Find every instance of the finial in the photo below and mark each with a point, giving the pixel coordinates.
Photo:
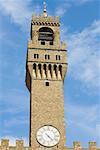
(45, 9)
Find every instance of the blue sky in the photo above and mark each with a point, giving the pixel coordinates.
(80, 29)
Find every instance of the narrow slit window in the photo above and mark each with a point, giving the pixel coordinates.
(58, 57)
(51, 42)
(47, 57)
(36, 56)
(47, 83)
(42, 42)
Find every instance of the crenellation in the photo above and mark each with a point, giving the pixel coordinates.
(38, 20)
(5, 144)
(20, 146)
(92, 145)
(77, 146)
(63, 45)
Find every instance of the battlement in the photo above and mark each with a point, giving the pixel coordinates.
(41, 20)
(20, 146)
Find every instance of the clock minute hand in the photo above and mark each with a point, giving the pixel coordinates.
(49, 136)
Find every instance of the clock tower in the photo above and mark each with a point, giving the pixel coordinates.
(45, 72)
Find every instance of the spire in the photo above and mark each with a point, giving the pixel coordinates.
(45, 9)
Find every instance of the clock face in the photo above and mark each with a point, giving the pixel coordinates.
(48, 136)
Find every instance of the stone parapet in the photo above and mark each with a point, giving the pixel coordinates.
(77, 146)
(20, 146)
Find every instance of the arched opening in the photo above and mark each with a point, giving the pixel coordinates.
(46, 34)
(44, 67)
(39, 67)
(34, 70)
(60, 69)
(49, 68)
(55, 69)
(34, 67)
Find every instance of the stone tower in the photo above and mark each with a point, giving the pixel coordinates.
(45, 72)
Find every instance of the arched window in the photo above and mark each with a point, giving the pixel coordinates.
(46, 34)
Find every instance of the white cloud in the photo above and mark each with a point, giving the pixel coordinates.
(18, 10)
(21, 11)
(62, 9)
(84, 118)
(83, 59)
(64, 32)
(86, 114)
